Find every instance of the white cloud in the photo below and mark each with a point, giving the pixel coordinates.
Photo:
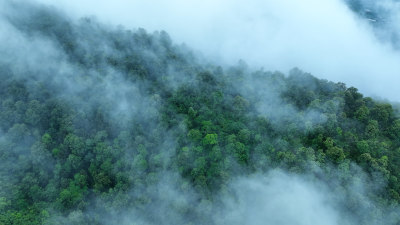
(280, 199)
(319, 36)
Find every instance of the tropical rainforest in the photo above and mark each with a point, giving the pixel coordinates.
(108, 125)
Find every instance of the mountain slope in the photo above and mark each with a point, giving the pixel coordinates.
(103, 125)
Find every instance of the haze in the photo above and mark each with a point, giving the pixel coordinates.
(114, 126)
(323, 37)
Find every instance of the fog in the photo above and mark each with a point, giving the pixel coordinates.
(276, 197)
(322, 37)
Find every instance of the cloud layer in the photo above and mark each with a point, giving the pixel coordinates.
(322, 37)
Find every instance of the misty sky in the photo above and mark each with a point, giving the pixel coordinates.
(319, 36)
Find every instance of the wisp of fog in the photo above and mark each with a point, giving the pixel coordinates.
(322, 37)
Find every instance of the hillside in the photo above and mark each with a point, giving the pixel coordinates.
(105, 125)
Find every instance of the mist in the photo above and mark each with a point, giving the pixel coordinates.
(322, 37)
(119, 126)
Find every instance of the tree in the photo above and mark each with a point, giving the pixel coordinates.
(210, 139)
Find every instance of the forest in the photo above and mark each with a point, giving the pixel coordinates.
(108, 125)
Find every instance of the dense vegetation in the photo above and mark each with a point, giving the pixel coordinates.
(127, 109)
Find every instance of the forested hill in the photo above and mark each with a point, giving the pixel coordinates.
(104, 125)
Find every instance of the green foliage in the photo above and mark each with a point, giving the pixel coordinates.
(210, 139)
(206, 124)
